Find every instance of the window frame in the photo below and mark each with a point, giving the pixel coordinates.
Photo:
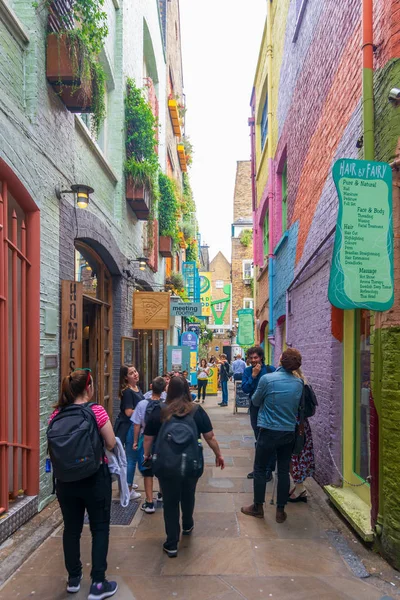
(284, 197)
(217, 286)
(250, 301)
(244, 264)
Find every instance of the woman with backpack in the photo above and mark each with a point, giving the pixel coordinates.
(77, 433)
(178, 457)
(130, 395)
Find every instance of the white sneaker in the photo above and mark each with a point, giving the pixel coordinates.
(135, 495)
(135, 486)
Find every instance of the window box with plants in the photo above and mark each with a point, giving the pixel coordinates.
(76, 34)
(167, 209)
(141, 165)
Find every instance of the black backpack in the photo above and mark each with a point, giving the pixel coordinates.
(310, 401)
(74, 442)
(178, 453)
(151, 405)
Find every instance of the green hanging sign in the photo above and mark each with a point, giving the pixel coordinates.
(245, 336)
(362, 263)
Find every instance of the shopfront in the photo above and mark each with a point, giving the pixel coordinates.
(87, 322)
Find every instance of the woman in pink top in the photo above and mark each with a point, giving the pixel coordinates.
(92, 494)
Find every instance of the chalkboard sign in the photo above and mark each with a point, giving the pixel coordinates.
(242, 400)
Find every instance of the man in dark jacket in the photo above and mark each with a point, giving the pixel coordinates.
(251, 377)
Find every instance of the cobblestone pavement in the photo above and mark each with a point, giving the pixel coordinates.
(228, 557)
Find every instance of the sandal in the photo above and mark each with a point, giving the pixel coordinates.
(301, 498)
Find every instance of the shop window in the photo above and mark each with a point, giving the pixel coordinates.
(284, 197)
(264, 123)
(96, 321)
(363, 389)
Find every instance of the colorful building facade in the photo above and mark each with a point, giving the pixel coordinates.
(308, 110)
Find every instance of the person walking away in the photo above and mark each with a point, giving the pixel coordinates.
(224, 376)
(130, 396)
(79, 428)
(178, 459)
(238, 367)
(251, 378)
(202, 379)
(302, 465)
(278, 395)
(140, 417)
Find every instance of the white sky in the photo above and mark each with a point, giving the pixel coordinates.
(221, 41)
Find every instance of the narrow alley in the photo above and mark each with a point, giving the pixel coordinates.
(229, 556)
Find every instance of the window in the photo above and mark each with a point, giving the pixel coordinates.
(266, 236)
(219, 307)
(264, 124)
(248, 303)
(284, 197)
(247, 269)
(219, 284)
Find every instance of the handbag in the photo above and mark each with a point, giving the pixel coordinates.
(300, 437)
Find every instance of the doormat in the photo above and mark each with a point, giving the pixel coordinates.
(119, 514)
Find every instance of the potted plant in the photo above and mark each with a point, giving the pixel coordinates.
(141, 165)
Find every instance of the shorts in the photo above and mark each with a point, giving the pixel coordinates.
(147, 473)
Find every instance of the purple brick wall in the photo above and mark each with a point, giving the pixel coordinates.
(309, 330)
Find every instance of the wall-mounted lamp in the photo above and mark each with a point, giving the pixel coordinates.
(394, 95)
(82, 194)
(142, 260)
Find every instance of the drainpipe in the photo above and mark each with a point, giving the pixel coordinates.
(369, 154)
(271, 177)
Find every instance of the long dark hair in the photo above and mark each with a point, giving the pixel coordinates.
(73, 386)
(179, 399)
(123, 379)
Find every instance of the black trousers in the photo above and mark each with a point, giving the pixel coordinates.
(94, 495)
(253, 421)
(202, 385)
(177, 495)
(271, 443)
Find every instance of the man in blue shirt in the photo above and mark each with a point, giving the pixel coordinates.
(238, 367)
(251, 378)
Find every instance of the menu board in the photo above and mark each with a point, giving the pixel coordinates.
(362, 264)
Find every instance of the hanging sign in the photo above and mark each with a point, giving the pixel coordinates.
(71, 326)
(205, 294)
(151, 310)
(245, 336)
(185, 309)
(362, 264)
(190, 339)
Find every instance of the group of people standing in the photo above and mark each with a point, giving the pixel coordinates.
(161, 432)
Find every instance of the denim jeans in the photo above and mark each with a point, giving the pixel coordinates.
(269, 443)
(224, 387)
(131, 456)
(253, 421)
(177, 494)
(94, 495)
